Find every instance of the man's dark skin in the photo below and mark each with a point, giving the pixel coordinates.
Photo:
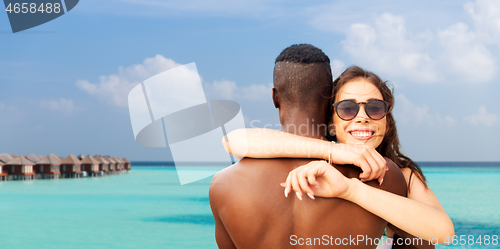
(249, 205)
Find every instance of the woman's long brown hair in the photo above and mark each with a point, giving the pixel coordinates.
(390, 144)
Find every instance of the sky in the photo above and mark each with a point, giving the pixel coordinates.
(64, 84)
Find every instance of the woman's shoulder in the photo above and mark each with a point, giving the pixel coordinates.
(407, 173)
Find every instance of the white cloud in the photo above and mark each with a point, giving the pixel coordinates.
(407, 112)
(465, 54)
(116, 87)
(486, 17)
(482, 118)
(223, 89)
(456, 53)
(60, 105)
(388, 48)
(226, 89)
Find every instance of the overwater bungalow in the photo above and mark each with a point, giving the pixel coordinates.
(103, 164)
(20, 168)
(119, 164)
(4, 158)
(48, 167)
(112, 164)
(31, 166)
(71, 166)
(90, 165)
(127, 164)
(3, 175)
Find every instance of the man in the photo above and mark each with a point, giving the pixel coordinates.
(247, 201)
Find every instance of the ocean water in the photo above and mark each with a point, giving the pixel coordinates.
(148, 208)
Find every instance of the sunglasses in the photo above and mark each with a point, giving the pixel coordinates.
(376, 109)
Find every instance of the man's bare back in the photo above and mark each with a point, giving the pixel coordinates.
(251, 211)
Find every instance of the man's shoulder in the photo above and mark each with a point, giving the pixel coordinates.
(250, 171)
(227, 178)
(394, 180)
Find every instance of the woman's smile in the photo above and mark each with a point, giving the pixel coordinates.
(362, 134)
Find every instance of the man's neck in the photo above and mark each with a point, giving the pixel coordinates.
(304, 124)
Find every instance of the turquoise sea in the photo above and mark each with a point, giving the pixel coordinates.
(148, 208)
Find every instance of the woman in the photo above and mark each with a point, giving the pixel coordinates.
(363, 123)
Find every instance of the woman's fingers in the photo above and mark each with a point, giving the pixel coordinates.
(382, 164)
(311, 178)
(295, 184)
(370, 161)
(365, 167)
(303, 182)
(375, 168)
(299, 180)
(379, 163)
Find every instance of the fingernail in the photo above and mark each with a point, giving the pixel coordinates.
(286, 192)
(310, 195)
(381, 181)
(282, 184)
(386, 168)
(298, 195)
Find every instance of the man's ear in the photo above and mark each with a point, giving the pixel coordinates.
(276, 98)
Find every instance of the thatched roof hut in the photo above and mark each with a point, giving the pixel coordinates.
(127, 164)
(71, 164)
(2, 173)
(112, 163)
(103, 163)
(20, 166)
(119, 163)
(90, 164)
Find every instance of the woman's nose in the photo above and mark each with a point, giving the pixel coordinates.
(361, 117)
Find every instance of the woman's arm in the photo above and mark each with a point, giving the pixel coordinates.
(269, 143)
(420, 214)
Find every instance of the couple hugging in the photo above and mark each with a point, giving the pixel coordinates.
(338, 150)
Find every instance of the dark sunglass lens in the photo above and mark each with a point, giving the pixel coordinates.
(376, 109)
(347, 109)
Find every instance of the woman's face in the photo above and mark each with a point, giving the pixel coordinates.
(361, 129)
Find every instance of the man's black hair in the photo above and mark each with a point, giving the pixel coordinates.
(303, 53)
(303, 77)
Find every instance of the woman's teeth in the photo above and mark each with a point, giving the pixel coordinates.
(361, 134)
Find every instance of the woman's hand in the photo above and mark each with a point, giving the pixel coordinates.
(326, 181)
(362, 155)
